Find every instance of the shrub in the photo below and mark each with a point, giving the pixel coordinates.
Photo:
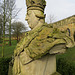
(64, 67)
(4, 65)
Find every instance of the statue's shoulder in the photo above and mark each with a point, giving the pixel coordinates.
(39, 28)
(21, 41)
(20, 44)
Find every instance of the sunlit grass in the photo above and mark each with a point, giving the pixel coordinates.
(8, 50)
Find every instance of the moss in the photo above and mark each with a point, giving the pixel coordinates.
(40, 40)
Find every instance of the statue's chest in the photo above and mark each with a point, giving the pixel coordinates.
(41, 42)
(41, 36)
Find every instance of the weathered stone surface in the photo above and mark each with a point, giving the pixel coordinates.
(39, 42)
(36, 5)
(32, 57)
(35, 53)
(43, 66)
(10, 72)
(58, 49)
(67, 23)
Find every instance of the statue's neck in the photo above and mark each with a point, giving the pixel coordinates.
(39, 24)
(36, 28)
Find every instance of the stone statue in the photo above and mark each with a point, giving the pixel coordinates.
(35, 53)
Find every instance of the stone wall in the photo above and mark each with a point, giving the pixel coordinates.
(67, 23)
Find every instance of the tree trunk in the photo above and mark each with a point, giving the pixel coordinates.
(3, 44)
(1, 29)
(17, 37)
(10, 31)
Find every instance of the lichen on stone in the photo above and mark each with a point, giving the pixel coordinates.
(40, 40)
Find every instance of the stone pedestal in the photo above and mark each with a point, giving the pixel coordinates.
(44, 66)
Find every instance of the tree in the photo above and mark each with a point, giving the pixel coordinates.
(17, 29)
(12, 13)
(51, 19)
(6, 9)
(5, 16)
(0, 28)
(11, 5)
(4, 22)
(4, 12)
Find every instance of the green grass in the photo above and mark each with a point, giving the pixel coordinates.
(8, 50)
(69, 55)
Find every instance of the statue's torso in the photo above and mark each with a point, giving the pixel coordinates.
(36, 44)
(39, 41)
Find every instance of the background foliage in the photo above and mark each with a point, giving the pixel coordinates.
(4, 65)
(66, 62)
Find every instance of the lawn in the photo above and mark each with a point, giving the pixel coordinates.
(8, 50)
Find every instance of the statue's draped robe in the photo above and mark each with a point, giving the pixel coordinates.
(37, 43)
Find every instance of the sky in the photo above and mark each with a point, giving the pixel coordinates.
(60, 9)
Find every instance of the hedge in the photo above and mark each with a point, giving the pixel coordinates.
(64, 67)
(4, 66)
